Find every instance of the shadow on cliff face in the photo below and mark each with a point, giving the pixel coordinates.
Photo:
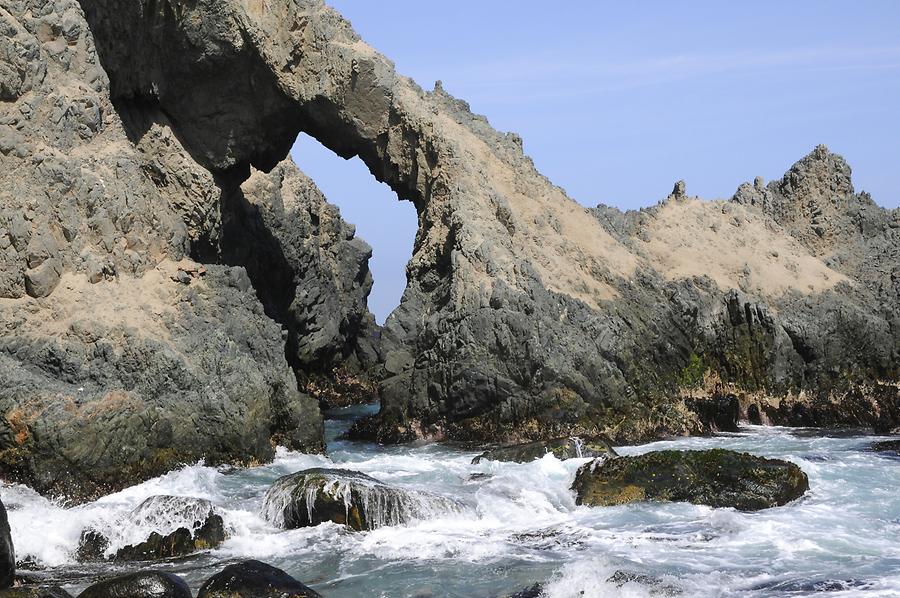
(305, 265)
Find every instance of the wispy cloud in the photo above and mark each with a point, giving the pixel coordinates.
(561, 74)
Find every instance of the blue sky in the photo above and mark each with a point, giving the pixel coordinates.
(617, 101)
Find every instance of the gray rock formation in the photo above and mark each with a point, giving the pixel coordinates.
(121, 357)
(526, 315)
(312, 275)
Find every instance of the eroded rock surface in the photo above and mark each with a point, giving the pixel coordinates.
(715, 477)
(137, 329)
(527, 316)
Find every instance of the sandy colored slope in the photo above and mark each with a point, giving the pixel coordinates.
(736, 246)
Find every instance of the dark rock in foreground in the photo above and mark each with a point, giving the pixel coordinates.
(253, 579)
(7, 552)
(345, 497)
(35, 592)
(562, 448)
(143, 584)
(716, 477)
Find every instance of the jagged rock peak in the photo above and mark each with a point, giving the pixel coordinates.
(820, 172)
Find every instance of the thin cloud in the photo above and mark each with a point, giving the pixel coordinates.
(560, 76)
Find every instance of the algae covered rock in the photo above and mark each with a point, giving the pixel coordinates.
(350, 498)
(253, 579)
(562, 448)
(715, 477)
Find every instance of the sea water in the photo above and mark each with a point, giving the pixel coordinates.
(513, 525)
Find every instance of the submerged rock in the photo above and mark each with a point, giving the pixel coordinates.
(715, 477)
(92, 546)
(7, 552)
(535, 591)
(182, 525)
(253, 579)
(563, 448)
(654, 585)
(143, 584)
(350, 498)
(887, 446)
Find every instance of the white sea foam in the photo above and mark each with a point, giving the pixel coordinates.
(521, 525)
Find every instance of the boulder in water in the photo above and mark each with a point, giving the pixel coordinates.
(143, 584)
(182, 525)
(715, 477)
(253, 579)
(350, 498)
(562, 448)
(7, 552)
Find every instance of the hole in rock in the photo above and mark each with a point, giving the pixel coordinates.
(385, 223)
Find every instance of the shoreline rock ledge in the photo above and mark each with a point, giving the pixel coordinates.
(716, 477)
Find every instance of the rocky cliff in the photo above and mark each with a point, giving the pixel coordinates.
(526, 315)
(121, 354)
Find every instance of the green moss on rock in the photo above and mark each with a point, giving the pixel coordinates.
(716, 477)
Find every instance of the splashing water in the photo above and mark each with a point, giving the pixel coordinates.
(380, 504)
(506, 526)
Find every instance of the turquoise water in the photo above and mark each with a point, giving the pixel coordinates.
(519, 525)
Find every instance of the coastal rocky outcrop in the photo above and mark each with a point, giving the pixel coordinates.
(527, 316)
(350, 498)
(714, 477)
(174, 289)
(253, 579)
(137, 329)
(562, 448)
